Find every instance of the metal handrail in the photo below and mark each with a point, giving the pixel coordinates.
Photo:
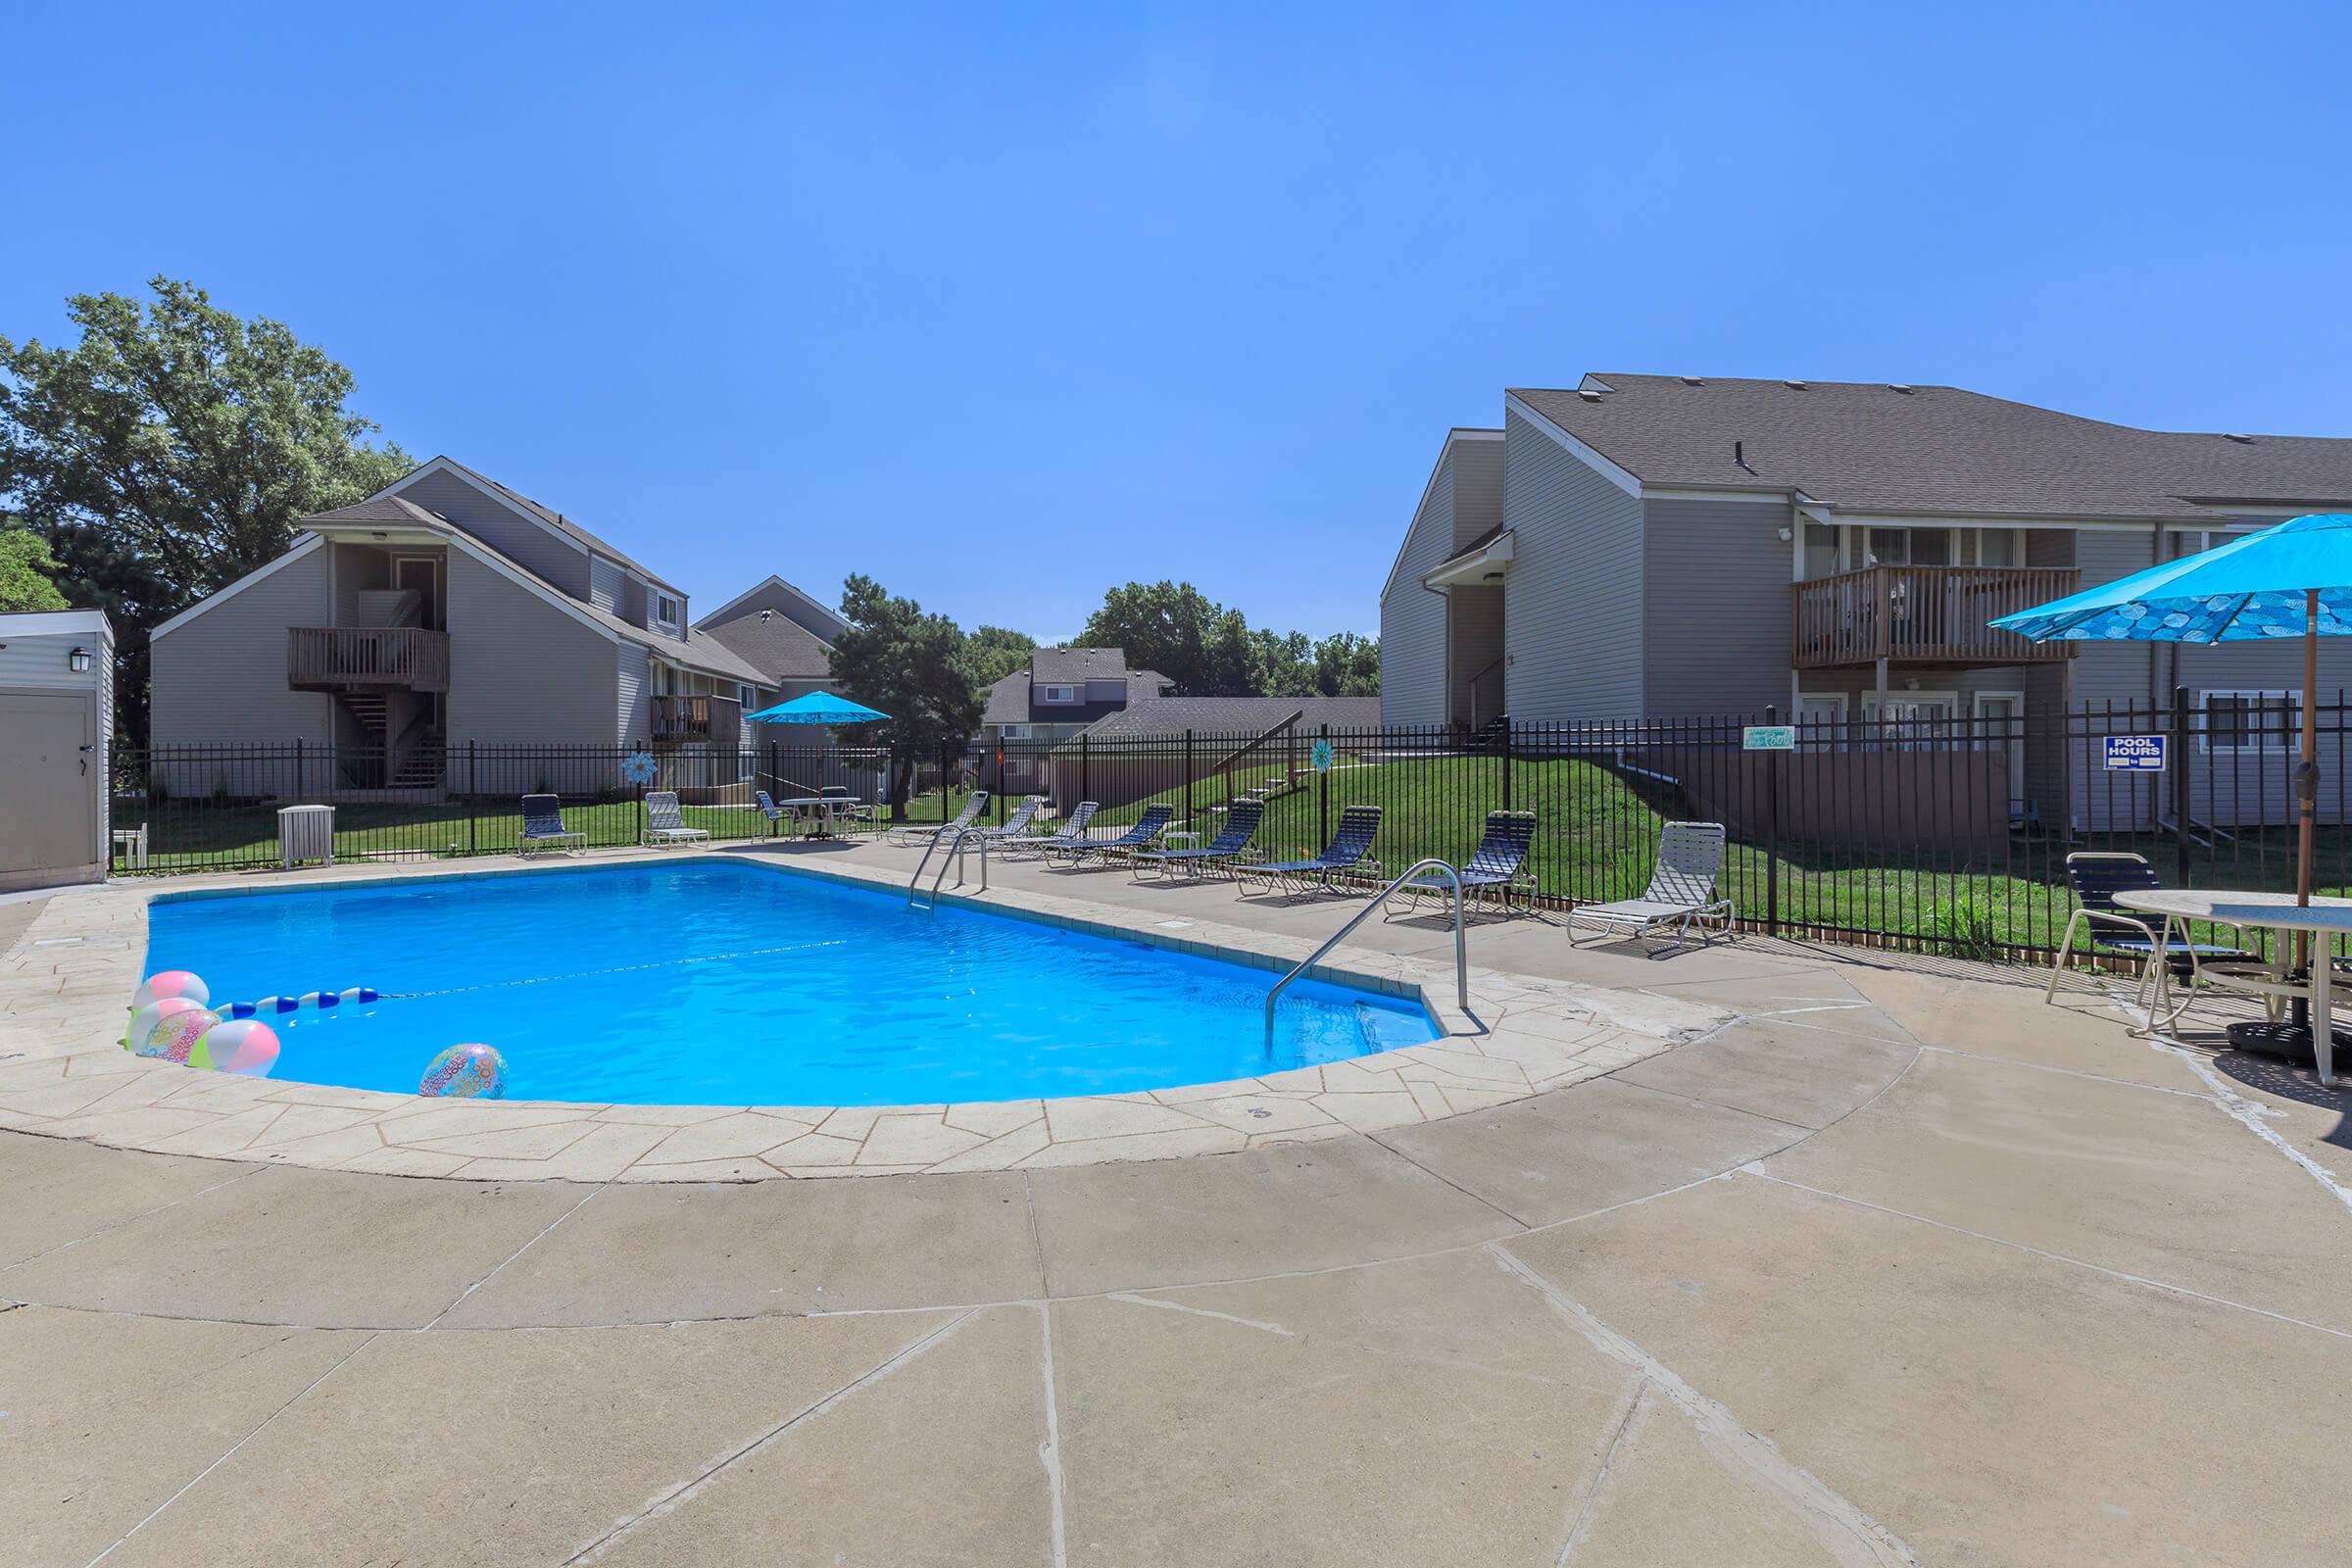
(1461, 959)
(957, 843)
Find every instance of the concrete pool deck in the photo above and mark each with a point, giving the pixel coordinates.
(1896, 1265)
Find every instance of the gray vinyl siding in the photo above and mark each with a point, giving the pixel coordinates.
(45, 663)
(220, 678)
(1715, 583)
(1412, 618)
(1573, 622)
(636, 710)
(606, 584)
(504, 529)
(1477, 489)
(522, 671)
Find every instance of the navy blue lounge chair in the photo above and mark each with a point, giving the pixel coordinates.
(543, 826)
(1241, 826)
(1497, 870)
(2097, 876)
(1148, 826)
(1349, 851)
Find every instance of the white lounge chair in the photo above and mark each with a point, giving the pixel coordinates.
(663, 824)
(1680, 891)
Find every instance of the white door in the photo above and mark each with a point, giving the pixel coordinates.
(2001, 724)
(1916, 712)
(48, 776)
(1822, 719)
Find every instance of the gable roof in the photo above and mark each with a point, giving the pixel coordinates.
(1010, 699)
(1878, 448)
(545, 515)
(780, 647)
(1062, 666)
(1234, 715)
(829, 624)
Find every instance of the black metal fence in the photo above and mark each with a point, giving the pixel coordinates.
(1939, 831)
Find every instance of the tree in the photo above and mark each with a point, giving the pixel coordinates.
(997, 651)
(1348, 665)
(26, 571)
(916, 667)
(1286, 663)
(1204, 647)
(170, 451)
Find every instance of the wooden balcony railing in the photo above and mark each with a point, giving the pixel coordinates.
(403, 657)
(1924, 616)
(677, 719)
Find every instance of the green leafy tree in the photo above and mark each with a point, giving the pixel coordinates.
(1286, 663)
(25, 572)
(914, 667)
(997, 651)
(1348, 665)
(170, 451)
(1204, 648)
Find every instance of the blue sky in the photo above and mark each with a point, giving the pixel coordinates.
(1004, 305)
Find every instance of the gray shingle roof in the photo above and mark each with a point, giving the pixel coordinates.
(1056, 666)
(1868, 447)
(781, 647)
(565, 526)
(1234, 716)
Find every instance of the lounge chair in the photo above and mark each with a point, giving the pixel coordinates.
(543, 826)
(1072, 831)
(1148, 826)
(663, 824)
(2098, 875)
(973, 805)
(1018, 824)
(1495, 869)
(1680, 891)
(1241, 826)
(1349, 851)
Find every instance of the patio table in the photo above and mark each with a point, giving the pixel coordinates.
(2323, 917)
(827, 809)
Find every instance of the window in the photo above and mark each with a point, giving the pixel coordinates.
(1016, 732)
(670, 609)
(1910, 547)
(2251, 721)
(1999, 547)
(743, 694)
(1057, 694)
(1821, 549)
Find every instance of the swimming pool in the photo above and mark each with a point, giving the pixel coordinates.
(710, 983)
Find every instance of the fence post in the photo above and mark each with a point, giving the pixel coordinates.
(2180, 783)
(1323, 807)
(473, 797)
(1085, 783)
(1506, 762)
(1772, 832)
(1188, 778)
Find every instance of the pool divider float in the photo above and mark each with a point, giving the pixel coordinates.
(319, 1000)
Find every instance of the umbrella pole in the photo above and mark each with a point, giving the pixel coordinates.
(2307, 777)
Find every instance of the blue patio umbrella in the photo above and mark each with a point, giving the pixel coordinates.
(2292, 580)
(818, 707)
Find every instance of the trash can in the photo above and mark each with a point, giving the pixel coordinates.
(305, 833)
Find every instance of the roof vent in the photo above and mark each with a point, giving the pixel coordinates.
(1590, 397)
(766, 616)
(1904, 387)
(1691, 380)
(1796, 387)
(2240, 437)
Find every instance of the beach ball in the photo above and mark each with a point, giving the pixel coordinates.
(141, 1040)
(466, 1072)
(176, 1037)
(244, 1046)
(169, 983)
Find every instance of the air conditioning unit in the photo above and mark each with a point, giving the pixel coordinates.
(305, 833)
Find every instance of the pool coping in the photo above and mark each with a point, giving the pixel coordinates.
(62, 1072)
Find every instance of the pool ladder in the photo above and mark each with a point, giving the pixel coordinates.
(956, 843)
(1461, 951)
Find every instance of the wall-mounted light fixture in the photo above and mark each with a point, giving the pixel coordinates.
(79, 660)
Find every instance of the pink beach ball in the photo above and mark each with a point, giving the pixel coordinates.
(245, 1046)
(176, 1038)
(171, 983)
(141, 1041)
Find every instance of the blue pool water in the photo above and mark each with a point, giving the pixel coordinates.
(715, 984)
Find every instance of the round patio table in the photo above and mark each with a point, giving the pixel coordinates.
(824, 810)
(2323, 917)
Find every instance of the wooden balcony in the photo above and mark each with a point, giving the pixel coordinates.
(677, 720)
(1924, 616)
(394, 658)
